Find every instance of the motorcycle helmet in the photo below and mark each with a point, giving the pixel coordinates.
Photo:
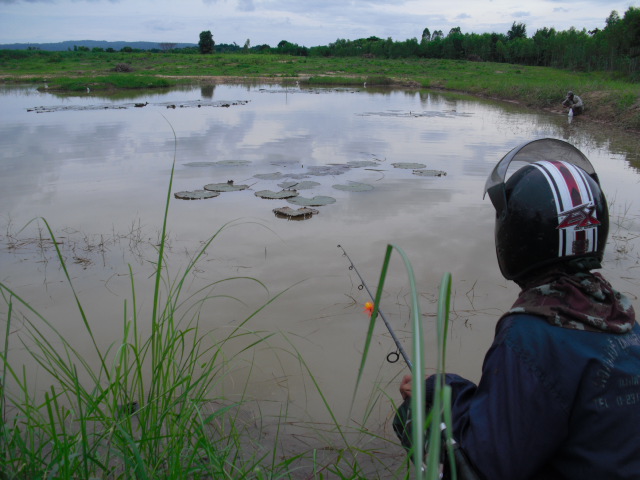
(551, 211)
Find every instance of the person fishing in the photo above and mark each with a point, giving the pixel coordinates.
(574, 103)
(559, 394)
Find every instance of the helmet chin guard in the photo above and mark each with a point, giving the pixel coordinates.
(550, 211)
(530, 152)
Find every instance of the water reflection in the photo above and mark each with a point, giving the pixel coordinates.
(100, 177)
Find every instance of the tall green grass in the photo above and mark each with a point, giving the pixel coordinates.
(425, 426)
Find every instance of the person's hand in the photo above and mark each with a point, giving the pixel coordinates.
(405, 387)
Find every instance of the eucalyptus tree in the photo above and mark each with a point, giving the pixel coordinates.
(517, 30)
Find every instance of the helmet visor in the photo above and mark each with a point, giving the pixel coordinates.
(531, 152)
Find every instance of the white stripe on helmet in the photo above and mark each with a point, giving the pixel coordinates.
(570, 238)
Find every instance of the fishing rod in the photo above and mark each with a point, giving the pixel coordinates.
(393, 356)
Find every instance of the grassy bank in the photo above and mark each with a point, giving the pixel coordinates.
(607, 99)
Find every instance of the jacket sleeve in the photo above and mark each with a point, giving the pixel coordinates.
(510, 425)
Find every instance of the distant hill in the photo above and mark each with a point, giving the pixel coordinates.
(69, 44)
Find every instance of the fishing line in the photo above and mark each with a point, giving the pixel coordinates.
(392, 357)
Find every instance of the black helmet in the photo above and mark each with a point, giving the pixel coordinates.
(550, 211)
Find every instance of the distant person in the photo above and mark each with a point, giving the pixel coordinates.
(559, 396)
(574, 102)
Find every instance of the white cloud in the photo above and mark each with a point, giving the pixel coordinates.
(305, 22)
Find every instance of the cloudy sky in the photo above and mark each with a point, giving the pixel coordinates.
(305, 22)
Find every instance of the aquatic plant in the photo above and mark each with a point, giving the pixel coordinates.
(354, 187)
(362, 163)
(430, 173)
(271, 195)
(199, 164)
(232, 163)
(299, 214)
(269, 176)
(316, 201)
(195, 194)
(408, 165)
(225, 187)
(306, 185)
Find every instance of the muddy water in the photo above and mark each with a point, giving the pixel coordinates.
(98, 170)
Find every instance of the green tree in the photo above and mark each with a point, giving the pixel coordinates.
(426, 35)
(631, 44)
(518, 30)
(288, 48)
(453, 44)
(206, 43)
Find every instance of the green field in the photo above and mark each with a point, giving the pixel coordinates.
(607, 99)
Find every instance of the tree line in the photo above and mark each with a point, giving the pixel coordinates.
(614, 48)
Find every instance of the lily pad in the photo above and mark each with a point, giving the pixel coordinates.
(409, 165)
(296, 176)
(225, 187)
(195, 195)
(299, 185)
(362, 163)
(199, 164)
(354, 187)
(271, 195)
(299, 214)
(269, 176)
(233, 163)
(285, 163)
(429, 173)
(318, 201)
(321, 170)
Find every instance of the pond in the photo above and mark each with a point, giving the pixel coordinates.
(98, 170)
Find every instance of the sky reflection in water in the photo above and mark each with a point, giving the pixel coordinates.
(99, 173)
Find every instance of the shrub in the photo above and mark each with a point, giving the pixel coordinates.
(123, 67)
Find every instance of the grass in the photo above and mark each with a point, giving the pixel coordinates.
(110, 82)
(607, 98)
(428, 434)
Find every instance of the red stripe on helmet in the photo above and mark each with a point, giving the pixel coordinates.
(572, 184)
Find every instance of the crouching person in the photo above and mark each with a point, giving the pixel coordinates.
(574, 103)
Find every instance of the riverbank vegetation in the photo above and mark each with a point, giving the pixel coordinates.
(608, 99)
(602, 66)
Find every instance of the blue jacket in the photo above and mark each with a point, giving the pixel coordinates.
(552, 403)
